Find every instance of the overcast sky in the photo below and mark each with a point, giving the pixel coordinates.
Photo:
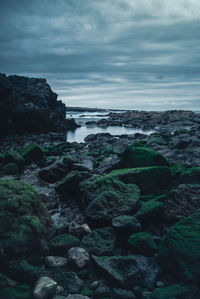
(129, 54)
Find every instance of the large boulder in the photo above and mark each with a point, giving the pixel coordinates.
(141, 157)
(107, 197)
(129, 271)
(150, 179)
(24, 221)
(29, 105)
(181, 247)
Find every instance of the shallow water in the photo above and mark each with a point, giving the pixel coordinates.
(79, 134)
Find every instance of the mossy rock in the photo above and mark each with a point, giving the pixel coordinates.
(20, 292)
(24, 221)
(33, 152)
(61, 243)
(68, 280)
(143, 243)
(176, 291)
(11, 168)
(151, 180)
(151, 211)
(191, 176)
(22, 271)
(107, 197)
(13, 157)
(180, 248)
(100, 241)
(134, 157)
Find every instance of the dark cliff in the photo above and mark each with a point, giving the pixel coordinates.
(28, 105)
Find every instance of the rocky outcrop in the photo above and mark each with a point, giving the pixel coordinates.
(28, 105)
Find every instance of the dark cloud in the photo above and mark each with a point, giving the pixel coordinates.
(109, 53)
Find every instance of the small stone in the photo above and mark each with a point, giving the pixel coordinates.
(55, 261)
(45, 287)
(146, 295)
(94, 284)
(79, 256)
(79, 230)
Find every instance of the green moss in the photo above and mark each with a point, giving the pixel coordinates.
(20, 292)
(142, 157)
(107, 197)
(150, 211)
(63, 242)
(23, 220)
(191, 176)
(151, 180)
(176, 291)
(181, 247)
(143, 243)
(139, 143)
(10, 168)
(177, 169)
(86, 292)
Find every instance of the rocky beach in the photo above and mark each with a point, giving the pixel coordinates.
(113, 217)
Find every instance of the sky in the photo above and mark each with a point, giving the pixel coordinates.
(124, 54)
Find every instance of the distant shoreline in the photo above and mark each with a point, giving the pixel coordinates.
(87, 109)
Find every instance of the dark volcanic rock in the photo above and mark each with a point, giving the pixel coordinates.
(29, 105)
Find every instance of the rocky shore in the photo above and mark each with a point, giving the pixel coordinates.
(116, 217)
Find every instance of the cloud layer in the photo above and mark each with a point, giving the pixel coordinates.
(136, 54)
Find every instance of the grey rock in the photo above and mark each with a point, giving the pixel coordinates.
(130, 270)
(79, 256)
(45, 287)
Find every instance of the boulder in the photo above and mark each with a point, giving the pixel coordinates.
(24, 222)
(100, 242)
(151, 180)
(29, 105)
(134, 157)
(129, 271)
(107, 197)
(180, 248)
(151, 211)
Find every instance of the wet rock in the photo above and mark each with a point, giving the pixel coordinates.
(55, 261)
(68, 280)
(79, 256)
(130, 270)
(44, 288)
(108, 198)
